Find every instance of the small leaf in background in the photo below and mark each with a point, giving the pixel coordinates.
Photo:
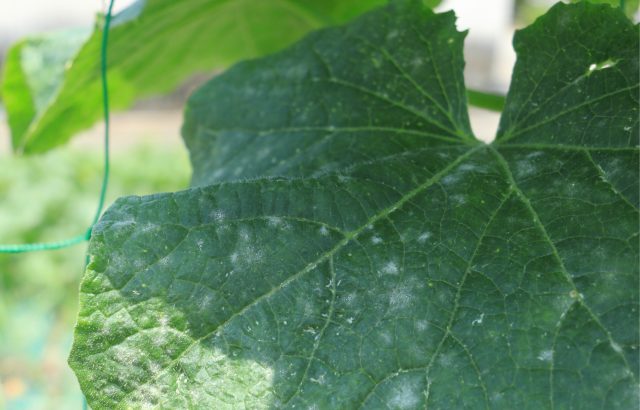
(348, 244)
(154, 46)
(33, 73)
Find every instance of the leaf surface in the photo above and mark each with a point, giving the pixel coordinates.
(348, 244)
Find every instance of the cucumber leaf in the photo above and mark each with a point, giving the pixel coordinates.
(347, 243)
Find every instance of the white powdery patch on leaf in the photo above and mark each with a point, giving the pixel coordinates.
(407, 396)
(247, 251)
(545, 355)
(424, 236)
(390, 268)
(117, 322)
(217, 380)
(400, 297)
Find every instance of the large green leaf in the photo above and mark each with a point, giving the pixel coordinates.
(348, 244)
(154, 46)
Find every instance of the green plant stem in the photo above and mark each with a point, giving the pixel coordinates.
(105, 105)
(489, 101)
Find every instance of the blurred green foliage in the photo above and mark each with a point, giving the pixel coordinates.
(526, 11)
(52, 197)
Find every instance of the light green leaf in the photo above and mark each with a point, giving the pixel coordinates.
(33, 72)
(154, 46)
(347, 244)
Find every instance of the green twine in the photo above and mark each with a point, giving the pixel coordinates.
(48, 246)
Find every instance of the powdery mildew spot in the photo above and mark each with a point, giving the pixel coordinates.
(390, 268)
(217, 215)
(406, 397)
(546, 355)
(227, 380)
(424, 236)
(400, 297)
(478, 320)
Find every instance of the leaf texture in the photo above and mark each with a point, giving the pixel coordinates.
(347, 243)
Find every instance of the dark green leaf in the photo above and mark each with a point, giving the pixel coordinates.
(348, 244)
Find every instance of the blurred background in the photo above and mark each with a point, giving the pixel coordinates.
(53, 196)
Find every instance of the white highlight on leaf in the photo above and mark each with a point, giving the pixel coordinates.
(386, 338)
(574, 294)
(127, 356)
(218, 215)
(546, 355)
(470, 168)
(117, 322)
(148, 227)
(616, 347)
(205, 303)
(524, 168)
(376, 240)
(400, 297)
(422, 325)
(323, 231)
(458, 199)
(406, 397)
(319, 380)
(390, 268)
(424, 236)
(226, 380)
(124, 224)
(349, 299)
(602, 65)
(478, 320)
(445, 359)
(245, 252)
(263, 153)
(450, 179)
